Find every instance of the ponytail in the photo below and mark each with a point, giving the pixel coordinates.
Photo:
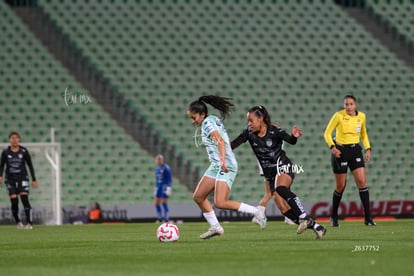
(222, 104)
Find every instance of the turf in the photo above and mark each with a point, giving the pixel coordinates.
(244, 249)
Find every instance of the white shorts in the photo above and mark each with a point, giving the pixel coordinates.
(218, 174)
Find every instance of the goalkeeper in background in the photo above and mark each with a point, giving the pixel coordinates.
(15, 157)
(163, 179)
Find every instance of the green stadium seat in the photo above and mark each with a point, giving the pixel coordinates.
(288, 69)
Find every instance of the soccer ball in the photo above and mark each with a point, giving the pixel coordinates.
(168, 232)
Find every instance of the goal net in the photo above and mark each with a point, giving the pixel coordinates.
(46, 199)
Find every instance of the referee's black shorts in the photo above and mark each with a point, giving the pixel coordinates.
(351, 157)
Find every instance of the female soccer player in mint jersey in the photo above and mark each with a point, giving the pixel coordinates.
(222, 171)
(350, 127)
(266, 141)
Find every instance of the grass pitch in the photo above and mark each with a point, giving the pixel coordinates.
(244, 249)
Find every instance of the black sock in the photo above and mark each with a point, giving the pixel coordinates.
(27, 208)
(336, 199)
(15, 208)
(292, 215)
(291, 199)
(364, 195)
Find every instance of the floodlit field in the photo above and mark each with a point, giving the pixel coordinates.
(244, 249)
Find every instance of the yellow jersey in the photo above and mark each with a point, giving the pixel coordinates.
(348, 129)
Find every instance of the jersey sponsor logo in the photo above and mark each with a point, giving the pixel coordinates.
(209, 129)
(269, 143)
(20, 155)
(358, 129)
(219, 123)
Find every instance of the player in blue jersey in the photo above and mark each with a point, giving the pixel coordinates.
(163, 179)
(266, 141)
(15, 158)
(222, 171)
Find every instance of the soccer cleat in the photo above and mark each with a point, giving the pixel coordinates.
(260, 218)
(20, 225)
(304, 224)
(29, 226)
(369, 222)
(334, 222)
(289, 221)
(320, 231)
(212, 231)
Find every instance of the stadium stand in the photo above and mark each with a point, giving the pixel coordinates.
(398, 14)
(298, 58)
(100, 162)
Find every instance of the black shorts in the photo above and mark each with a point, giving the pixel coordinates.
(285, 166)
(16, 187)
(351, 157)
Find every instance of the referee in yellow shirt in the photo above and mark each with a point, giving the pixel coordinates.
(350, 128)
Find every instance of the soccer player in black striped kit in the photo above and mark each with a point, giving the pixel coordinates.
(266, 141)
(15, 158)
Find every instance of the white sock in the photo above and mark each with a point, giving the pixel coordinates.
(316, 225)
(211, 219)
(261, 208)
(246, 208)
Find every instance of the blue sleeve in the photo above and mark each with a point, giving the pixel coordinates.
(168, 176)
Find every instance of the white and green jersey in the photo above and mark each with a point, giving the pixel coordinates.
(210, 124)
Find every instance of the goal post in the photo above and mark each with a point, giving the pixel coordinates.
(46, 199)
